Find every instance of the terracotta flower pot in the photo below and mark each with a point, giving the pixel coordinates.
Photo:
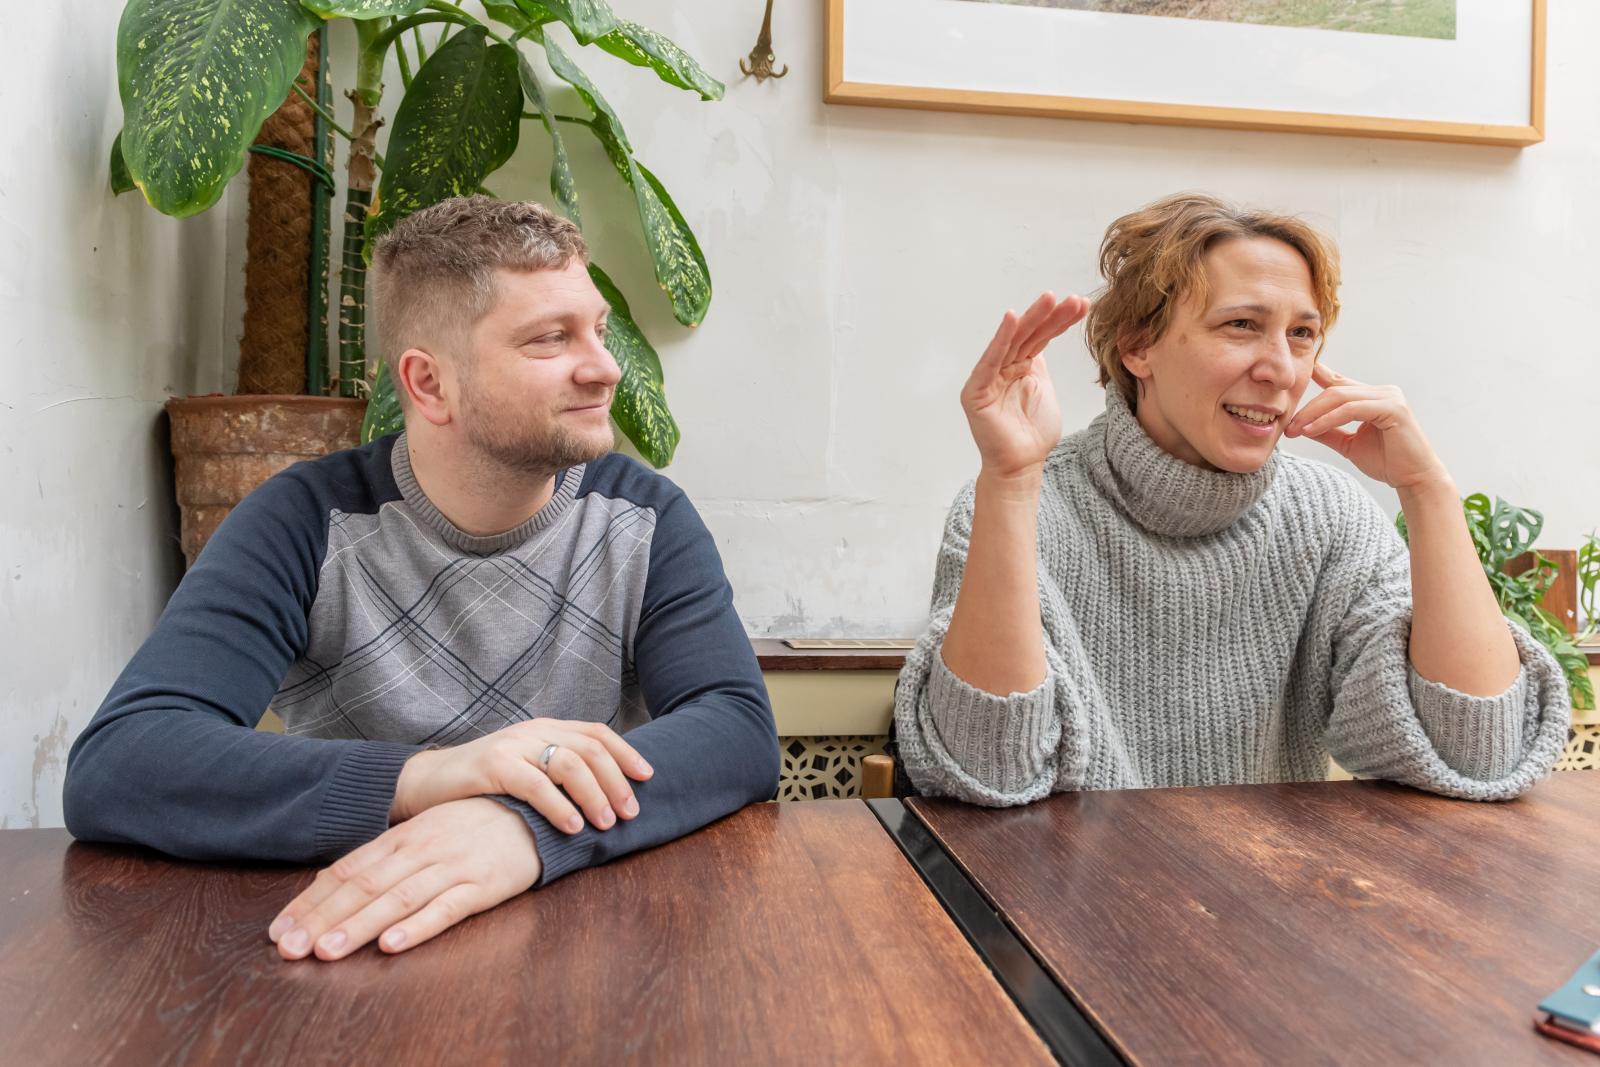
(225, 446)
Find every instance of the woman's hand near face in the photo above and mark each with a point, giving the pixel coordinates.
(1388, 445)
(1010, 402)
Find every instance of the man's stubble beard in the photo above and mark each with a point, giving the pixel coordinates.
(515, 442)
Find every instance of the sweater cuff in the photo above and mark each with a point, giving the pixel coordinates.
(1478, 737)
(355, 807)
(559, 853)
(1000, 740)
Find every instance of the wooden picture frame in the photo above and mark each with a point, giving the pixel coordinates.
(839, 89)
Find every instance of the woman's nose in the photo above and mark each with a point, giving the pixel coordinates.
(1275, 363)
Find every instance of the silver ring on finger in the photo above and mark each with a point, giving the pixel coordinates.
(546, 756)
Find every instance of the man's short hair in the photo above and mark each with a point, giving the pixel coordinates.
(1153, 259)
(432, 276)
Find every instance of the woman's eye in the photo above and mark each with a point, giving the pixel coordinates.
(1239, 324)
(1305, 333)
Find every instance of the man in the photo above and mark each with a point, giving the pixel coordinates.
(457, 626)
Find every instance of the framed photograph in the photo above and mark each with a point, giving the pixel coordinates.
(1432, 70)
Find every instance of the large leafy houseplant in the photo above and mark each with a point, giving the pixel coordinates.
(1502, 532)
(199, 77)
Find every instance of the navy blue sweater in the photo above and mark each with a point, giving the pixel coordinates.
(338, 595)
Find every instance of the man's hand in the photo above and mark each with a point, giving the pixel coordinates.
(590, 765)
(1387, 446)
(1010, 403)
(411, 882)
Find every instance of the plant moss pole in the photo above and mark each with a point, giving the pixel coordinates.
(361, 176)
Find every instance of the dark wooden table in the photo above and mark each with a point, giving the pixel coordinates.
(786, 933)
(1338, 922)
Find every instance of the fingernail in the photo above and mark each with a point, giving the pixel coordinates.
(279, 925)
(332, 942)
(574, 824)
(607, 817)
(630, 807)
(645, 769)
(394, 939)
(296, 942)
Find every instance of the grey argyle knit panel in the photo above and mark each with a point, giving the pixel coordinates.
(414, 641)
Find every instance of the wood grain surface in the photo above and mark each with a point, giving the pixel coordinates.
(1331, 922)
(791, 933)
(773, 655)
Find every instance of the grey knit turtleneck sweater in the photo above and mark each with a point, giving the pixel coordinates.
(1205, 628)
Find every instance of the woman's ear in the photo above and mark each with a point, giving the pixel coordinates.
(1133, 349)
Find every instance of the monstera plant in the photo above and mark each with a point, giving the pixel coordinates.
(199, 77)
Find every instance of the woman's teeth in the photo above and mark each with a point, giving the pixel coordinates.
(1259, 417)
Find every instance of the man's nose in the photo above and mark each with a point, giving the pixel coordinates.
(598, 367)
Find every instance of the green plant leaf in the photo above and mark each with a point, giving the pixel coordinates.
(383, 415)
(197, 80)
(640, 404)
(588, 20)
(456, 125)
(680, 266)
(363, 9)
(1513, 530)
(121, 180)
(519, 20)
(562, 184)
(644, 47)
(1589, 578)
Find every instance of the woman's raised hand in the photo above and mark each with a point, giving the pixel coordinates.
(1010, 403)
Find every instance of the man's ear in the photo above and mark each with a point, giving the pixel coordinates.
(421, 378)
(1133, 349)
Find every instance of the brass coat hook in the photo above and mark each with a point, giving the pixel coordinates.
(761, 57)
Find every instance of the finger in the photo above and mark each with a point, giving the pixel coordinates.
(603, 765)
(1338, 440)
(327, 881)
(439, 914)
(627, 757)
(1355, 411)
(529, 783)
(999, 345)
(1063, 318)
(1325, 402)
(401, 901)
(568, 770)
(1327, 377)
(354, 893)
(1031, 320)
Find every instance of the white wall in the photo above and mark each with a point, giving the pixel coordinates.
(106, 308)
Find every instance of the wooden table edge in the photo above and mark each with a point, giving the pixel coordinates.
(1067, 1028)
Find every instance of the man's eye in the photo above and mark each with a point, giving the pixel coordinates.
(549, 339)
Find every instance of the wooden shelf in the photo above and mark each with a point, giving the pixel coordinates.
(774, 655)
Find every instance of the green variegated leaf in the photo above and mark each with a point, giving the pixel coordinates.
(679, 264)
(363, 9)
(519, 20)
(568, 72)
(644, 47)
(456, 125)
(197, 79)
(561, 181)
(640, 404)
(383, 415)
(121, 180)
(588, 20)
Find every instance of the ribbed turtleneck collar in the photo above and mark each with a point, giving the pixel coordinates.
(1158, 491)
(487, 544)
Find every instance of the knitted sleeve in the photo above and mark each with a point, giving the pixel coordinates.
(985, 748)
(1390, 722)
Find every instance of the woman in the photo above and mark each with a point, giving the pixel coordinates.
(1163, 599)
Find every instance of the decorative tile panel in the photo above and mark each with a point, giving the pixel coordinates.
(1583, 749)
(819, 768)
